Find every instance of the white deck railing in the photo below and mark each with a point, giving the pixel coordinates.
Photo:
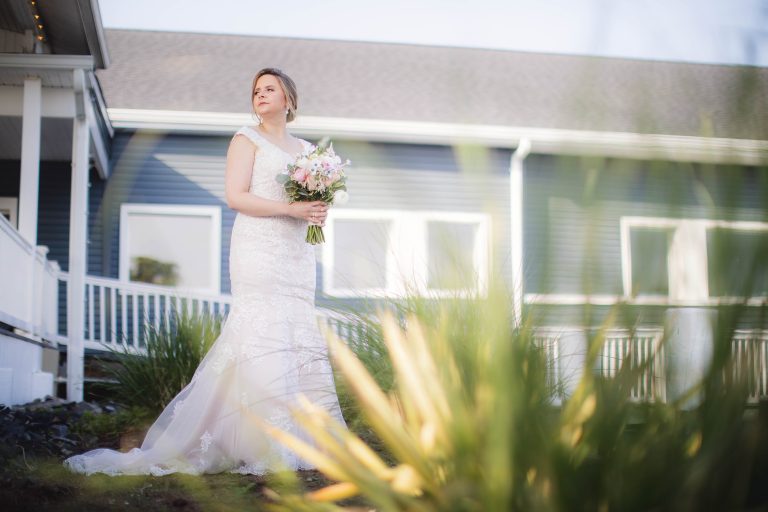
(749, 350)
(645, 349)
(117, 312)
(30, 285)
(641, 350)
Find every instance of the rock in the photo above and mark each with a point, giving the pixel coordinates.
(60, 430)
(88, 407)
(44, 427)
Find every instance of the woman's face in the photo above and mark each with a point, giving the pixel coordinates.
(268, 96)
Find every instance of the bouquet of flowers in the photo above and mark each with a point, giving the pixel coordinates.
(316, 175)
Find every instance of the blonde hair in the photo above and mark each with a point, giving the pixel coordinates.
(288, 86)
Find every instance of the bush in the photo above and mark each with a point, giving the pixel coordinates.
(472, 423)
(173, 353)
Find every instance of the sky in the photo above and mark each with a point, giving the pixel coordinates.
(711, 31)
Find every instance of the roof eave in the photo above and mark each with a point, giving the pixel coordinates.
(641, 146)
(94, 32)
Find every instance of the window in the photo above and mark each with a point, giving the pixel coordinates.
(361, 249)
(694, 260)
(737, 262)
(171, 245)
(451, 255)
(389, 253)
(650, 247)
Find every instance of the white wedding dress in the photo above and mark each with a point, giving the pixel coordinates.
(269, 351)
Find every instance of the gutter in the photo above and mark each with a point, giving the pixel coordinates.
(516, 225)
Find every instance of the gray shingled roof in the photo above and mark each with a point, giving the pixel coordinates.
(213, 73)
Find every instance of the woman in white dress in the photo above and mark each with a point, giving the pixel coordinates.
(270, 349)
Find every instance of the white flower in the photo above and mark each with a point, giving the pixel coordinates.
(340, 197)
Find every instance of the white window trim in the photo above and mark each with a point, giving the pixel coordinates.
(213, 212)
(409, 228)
(688, 244)
(12, 205)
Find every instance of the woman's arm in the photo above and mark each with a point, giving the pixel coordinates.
(237, 181)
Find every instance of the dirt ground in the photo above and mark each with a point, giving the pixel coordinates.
(34, 443)
(45, 484)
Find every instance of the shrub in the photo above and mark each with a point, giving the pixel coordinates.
(173, 353)
(472, 423)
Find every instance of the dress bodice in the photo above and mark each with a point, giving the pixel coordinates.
(270, 160)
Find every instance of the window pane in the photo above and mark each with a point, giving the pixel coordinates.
(360, 253)
(737, 262)
(649, 260)
(171, 249)
(450, 249)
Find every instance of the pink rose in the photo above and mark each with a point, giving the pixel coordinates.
(300, 176)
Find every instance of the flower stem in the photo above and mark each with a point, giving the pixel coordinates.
(315, 235)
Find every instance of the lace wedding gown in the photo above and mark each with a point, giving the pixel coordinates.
(269, 350)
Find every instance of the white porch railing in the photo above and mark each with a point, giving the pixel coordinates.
(749, 350)
(548, 343)
(645, 347)
(641, 349)
(116, 312)
(30, 285)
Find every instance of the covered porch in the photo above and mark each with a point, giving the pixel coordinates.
(53, 122)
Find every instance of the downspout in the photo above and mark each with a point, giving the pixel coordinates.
(516, 224)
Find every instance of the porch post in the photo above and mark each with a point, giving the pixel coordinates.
(30, 159)
(78, 224)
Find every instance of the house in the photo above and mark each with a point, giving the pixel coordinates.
(576, 180)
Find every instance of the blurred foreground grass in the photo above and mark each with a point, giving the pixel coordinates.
(470, 420)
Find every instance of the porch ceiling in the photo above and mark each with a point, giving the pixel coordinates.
(56, 78)
(71, 27)
(55, 141)
(15, 16)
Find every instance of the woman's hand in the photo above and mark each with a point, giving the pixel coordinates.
(313, 212)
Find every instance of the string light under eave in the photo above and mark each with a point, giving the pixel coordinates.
(39, 29)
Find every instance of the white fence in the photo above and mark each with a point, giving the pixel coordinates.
(750, 360)
(116, 312)
(643, 350)
(644, 353)
(30, 285)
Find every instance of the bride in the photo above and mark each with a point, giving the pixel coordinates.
(270, 349)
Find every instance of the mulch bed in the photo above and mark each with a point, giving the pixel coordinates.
(36, 437)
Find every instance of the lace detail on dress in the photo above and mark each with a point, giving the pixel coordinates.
(269, 351)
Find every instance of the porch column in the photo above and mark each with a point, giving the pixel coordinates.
(78, 224)
(30, 159)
